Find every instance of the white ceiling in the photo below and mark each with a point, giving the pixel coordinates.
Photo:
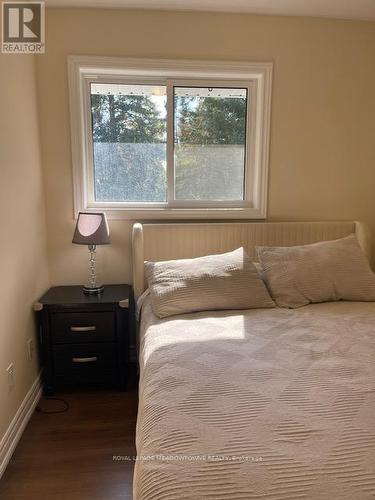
(342, 9)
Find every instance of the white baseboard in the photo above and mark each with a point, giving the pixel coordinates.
(14, 432)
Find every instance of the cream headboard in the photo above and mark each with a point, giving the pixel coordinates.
(186, 240)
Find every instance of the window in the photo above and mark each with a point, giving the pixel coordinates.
(173, 139)
(209, 143)
(129, 137)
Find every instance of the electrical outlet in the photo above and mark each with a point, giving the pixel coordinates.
(30, 349)
(10, 372)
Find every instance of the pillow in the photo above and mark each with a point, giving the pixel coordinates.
(225, 281)
(321, 272)
(258, 267)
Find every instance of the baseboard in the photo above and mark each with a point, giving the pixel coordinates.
(18, 424)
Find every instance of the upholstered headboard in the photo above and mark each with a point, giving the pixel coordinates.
(186, 240)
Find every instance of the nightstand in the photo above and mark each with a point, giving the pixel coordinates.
(85, 339)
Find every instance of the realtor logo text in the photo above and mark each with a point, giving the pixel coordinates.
(23, 28)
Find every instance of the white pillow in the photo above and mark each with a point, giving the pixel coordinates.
(320, 272)
(224, 281)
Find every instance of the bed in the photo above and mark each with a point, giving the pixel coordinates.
(271, 404)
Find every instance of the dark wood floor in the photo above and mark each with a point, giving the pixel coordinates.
(69, 456)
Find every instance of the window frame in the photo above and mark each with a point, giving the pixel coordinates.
(255, 77)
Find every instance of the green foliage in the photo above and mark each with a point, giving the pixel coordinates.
(127, 119)
(213, 121)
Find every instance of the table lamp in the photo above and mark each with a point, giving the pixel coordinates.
(91, 230)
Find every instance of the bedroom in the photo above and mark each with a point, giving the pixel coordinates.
(318, 165)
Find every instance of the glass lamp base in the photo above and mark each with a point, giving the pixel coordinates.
(93, 290)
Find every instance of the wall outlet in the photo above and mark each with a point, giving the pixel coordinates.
(30, 349)
(10, 373)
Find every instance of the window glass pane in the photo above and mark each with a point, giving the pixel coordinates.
(209, 143)
(129, 142)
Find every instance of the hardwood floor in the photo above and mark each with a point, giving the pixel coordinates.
(69, 456)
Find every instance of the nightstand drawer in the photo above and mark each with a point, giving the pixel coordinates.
(80, 327)
(84, 362)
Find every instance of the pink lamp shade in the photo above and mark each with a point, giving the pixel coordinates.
(91, 229)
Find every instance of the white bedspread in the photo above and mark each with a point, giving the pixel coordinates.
(261, 404)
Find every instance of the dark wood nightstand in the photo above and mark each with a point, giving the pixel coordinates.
(85, 340)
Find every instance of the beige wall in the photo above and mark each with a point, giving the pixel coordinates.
(322, 161)
(23, 257)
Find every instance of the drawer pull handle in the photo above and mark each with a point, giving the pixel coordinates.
(85, 360)
(82, 328)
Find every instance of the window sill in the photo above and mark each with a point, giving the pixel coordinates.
(141, 213)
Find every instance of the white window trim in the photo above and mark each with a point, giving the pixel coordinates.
(257, 77)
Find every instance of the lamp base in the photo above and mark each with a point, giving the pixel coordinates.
(89, 290)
